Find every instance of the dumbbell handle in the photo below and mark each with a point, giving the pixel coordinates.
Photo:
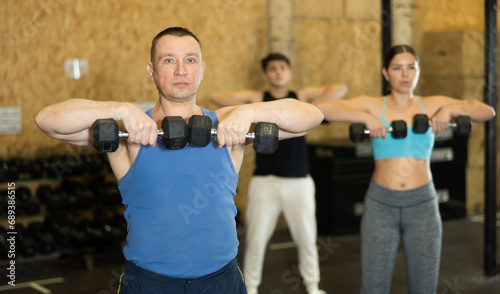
(451, 124)
(367, 132)
(124, 135)
(249, 136)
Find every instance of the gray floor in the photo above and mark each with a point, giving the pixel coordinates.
(461, 267)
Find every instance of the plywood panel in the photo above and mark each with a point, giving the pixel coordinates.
(351, 55)
(442, 54)
(362, 9)
(280, 26)
(115, 37)
(453, 54)
(451, 87)
(465, 16)
(331, 44)
(319, 9)
(337, 52)
(449, 15)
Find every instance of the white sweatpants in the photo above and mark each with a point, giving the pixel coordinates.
(268, 196)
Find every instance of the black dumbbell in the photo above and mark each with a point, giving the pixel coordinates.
(52, 199)
(107, 134)
(8, 172)
(27, 203)
(265, 139)
(462, 124)
(4, 244)
(25, 243)
(95, 235)
(45, 241)
(358, 131)
(64, 230)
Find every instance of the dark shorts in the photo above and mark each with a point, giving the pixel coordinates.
(227, 280)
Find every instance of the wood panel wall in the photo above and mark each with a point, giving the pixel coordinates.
(466, 81)
(333, 41)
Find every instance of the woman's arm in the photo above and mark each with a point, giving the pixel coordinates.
(356, 110)
(446, 108)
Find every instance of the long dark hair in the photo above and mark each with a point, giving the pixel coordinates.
(397, 49)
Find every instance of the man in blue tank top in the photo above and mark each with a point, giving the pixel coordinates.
(179, 203)
(281, 181)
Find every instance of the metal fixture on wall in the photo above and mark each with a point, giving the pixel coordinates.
(76, 69)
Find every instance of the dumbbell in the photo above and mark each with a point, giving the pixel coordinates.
(26, 203)
(265, 139)
(358, 131)
(107, 134)
(462, 124)
(45, 241)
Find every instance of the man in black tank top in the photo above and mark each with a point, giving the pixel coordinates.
(281, 181)
(290, 160)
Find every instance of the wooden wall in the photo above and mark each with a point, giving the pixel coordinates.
(115, 36)
(461, 23)
(333, 41)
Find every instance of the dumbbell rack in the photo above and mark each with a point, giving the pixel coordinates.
(83, 192)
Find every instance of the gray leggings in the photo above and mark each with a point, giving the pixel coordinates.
(410, 214)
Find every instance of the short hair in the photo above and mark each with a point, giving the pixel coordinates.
(274, 56)
(397, 49)
(172, 31)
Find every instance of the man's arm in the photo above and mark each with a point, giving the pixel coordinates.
(231, 98)
(294, 118)
(71, 120)
(355, 110)
(315, 95)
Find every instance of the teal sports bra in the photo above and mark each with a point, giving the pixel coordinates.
(415, 145)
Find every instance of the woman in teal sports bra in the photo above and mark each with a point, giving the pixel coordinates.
(401, 202)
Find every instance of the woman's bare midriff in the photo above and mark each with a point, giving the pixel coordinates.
(402, 173)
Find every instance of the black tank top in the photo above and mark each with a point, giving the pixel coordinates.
(290, 160)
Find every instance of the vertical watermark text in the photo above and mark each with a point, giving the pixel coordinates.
(11, 233)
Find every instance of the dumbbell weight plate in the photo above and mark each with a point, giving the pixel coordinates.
(463, 125)
(106, 137)
(175, 132)
(357, 132)
(266, 138)
(199, 130)
(398, 129)
(420, 123)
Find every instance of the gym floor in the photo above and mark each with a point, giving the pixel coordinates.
(461, 267)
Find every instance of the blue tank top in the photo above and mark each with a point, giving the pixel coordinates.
(180, 210)
(415, 145)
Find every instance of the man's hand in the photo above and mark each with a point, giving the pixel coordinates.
(140, 127)
(232, 129)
